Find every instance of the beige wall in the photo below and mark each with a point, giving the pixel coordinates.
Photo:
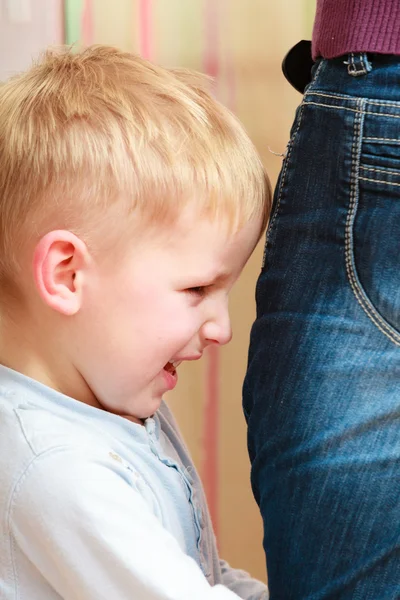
(255, 34)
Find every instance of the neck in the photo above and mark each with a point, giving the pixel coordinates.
(35, 353)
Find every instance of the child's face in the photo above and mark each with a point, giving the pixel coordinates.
(163, 303)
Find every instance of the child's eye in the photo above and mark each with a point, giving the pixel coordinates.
(198, 290)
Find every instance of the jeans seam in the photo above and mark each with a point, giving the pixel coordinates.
(383, 103)
(336, 96)
(315, 78)
(375, 170)
(352, 109)
(376, 114)
(282, 182)
(332, 106)
(359, 293)
(377, 139)
(346, 97)
(379, 181)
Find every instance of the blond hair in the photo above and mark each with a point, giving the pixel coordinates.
(80, 130)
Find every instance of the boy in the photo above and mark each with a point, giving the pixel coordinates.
(130, 203)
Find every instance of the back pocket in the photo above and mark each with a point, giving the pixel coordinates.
(376, 233)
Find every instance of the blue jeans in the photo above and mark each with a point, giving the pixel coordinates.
(322, 390)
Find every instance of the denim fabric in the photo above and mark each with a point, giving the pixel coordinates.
(322, 390)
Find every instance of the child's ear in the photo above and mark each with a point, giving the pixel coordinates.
(59, 264)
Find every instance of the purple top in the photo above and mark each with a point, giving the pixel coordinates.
(343, 26)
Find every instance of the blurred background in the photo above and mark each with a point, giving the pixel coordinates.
(241, 43)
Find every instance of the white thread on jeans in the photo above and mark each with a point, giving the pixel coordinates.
(379, 181)
(376, 139)
(359, 293)
(384, 103)
(331, 106)
(353, 110)
(286, 159)
(344, 97)
(282, 182)
(339, 96)
(374, 170)
(379, 114)
(315, 78)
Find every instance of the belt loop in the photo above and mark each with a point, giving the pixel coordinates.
(358, 64)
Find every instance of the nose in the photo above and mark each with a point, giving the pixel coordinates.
(218, 330)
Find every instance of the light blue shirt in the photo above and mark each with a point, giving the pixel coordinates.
(93, 506)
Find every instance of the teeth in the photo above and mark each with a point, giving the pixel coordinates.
(176, 364)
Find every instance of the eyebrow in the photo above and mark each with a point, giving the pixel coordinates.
(216, 277)
(221, 276)
(211, 278)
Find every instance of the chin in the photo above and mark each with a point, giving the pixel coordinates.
(151, 407)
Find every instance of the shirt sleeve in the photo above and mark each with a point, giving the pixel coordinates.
(92, 536)
(242, 583)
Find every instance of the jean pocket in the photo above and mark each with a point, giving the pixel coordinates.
(373, 255)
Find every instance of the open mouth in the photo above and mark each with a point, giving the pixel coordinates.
(170, 374)
(171, 367)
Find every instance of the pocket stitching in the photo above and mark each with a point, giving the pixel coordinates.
(386, 171)
(377, 139)
(355, 284)
(379, 181)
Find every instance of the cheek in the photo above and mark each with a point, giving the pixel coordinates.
(141, 316)
(175, 319)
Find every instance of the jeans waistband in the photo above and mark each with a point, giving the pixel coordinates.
(369, 75)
